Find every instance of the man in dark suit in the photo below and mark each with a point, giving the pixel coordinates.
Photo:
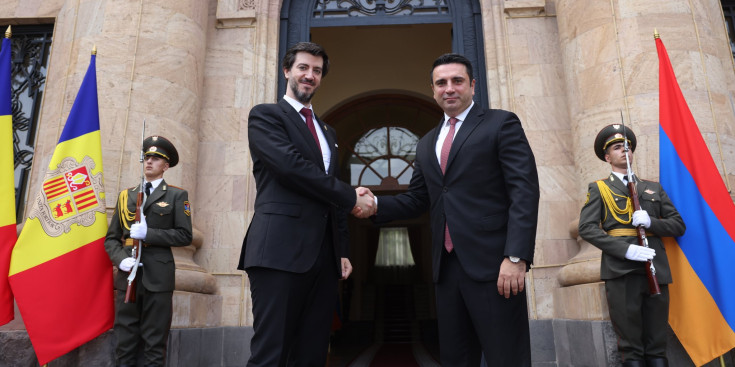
(477, 175)
(608, 221)
(165, 222)
(296, 247)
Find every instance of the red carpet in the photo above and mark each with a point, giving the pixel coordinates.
(394, 355)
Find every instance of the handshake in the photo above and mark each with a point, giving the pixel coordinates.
(365, 205)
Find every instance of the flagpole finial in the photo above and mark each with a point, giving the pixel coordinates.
(8, 32)
(94, 50)
(655, 34)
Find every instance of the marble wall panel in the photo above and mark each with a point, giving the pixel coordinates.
(30, 8)
(551, 148)
(236, 304)
(555, 251)
(579, 17)
(544, 282)
(220, 124)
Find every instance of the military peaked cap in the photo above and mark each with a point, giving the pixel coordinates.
(612, 134)
(162, 147)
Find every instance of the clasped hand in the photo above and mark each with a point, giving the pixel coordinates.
(641, 218)
(365, 205)
(127, 264)
(139, 230)
(640, 253)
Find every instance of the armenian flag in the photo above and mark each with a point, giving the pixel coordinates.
(702, 310)
(7, 183)
(60, 273)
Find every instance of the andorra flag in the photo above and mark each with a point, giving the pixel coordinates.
(7, 183)
(60, 273)
(702, 310)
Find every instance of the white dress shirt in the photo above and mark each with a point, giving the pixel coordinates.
(326, 152)
(445, 130)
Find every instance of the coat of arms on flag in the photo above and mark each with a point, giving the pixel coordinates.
(70, 195)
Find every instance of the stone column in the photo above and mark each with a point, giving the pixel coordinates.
(241, 72)
(611, 65)
(150, 64)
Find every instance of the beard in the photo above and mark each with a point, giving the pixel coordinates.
(302, 97)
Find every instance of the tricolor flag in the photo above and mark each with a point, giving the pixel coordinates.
(702, 311)
(7, 183)
(60, 273)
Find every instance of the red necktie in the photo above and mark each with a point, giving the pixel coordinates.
(446, 147)
(310, 124)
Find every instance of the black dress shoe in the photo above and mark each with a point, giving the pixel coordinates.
(657, 362)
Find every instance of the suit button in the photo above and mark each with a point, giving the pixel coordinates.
(445, 189)
(325, 215)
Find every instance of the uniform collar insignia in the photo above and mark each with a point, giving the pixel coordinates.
(162, 204)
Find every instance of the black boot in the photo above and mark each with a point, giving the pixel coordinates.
(657, 362)
(634, 363)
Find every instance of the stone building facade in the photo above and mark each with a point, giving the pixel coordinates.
(194, 69)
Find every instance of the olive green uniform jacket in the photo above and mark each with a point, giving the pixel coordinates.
(595, 220)
(168, 215)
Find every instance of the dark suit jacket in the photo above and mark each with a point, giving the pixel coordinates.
(168, 216)
(296, 200)
(595, 220)
(488, 195)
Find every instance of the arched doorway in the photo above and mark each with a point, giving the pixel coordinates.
(389, 299)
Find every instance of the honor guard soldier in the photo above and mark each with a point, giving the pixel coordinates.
(608, 221)
(165, 222)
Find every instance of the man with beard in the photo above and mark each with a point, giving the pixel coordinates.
(296, 247)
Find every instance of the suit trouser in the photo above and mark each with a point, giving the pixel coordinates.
(475, 319)
(640, 320)
(293, 313)
(146, 321)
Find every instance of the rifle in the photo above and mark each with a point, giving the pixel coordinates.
(653, 287)
(137, 248)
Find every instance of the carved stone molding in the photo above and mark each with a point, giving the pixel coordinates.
(524, 8)
(583, 268)
(235, 13)
(191, 277)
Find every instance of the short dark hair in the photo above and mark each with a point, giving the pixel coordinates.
(309, 47)
(452, 59)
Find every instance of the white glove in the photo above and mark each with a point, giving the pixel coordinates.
(639, 253)
(640, 217)
(126, 264)
(139, 230)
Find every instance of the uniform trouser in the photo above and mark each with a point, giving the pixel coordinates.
(292, 313)
(146, 322)
(640, 320)
(474, 319)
